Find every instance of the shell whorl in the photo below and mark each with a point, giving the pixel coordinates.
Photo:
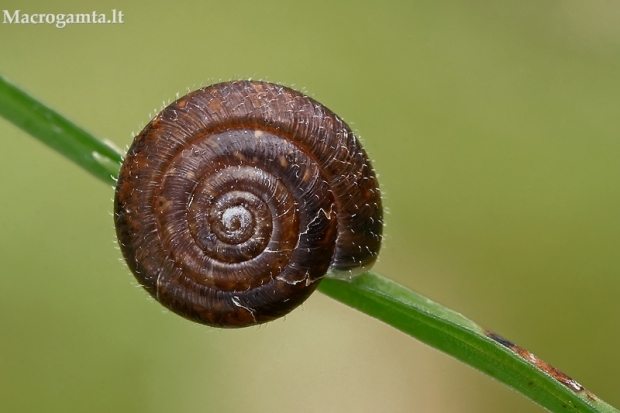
(236, 199)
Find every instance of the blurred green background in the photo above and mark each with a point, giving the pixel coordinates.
(494, 128)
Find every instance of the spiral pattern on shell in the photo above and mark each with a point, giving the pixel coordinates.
(235, 201)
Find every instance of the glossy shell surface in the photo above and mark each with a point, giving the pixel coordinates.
(235, 201)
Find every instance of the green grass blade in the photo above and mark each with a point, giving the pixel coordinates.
(370, 293)
(56, 131)
(463, 339)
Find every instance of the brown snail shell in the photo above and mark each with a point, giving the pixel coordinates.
(235, 201)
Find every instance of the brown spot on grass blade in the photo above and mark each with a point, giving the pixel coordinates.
(541, 365)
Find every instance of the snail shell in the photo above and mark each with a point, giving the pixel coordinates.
(235, 201)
